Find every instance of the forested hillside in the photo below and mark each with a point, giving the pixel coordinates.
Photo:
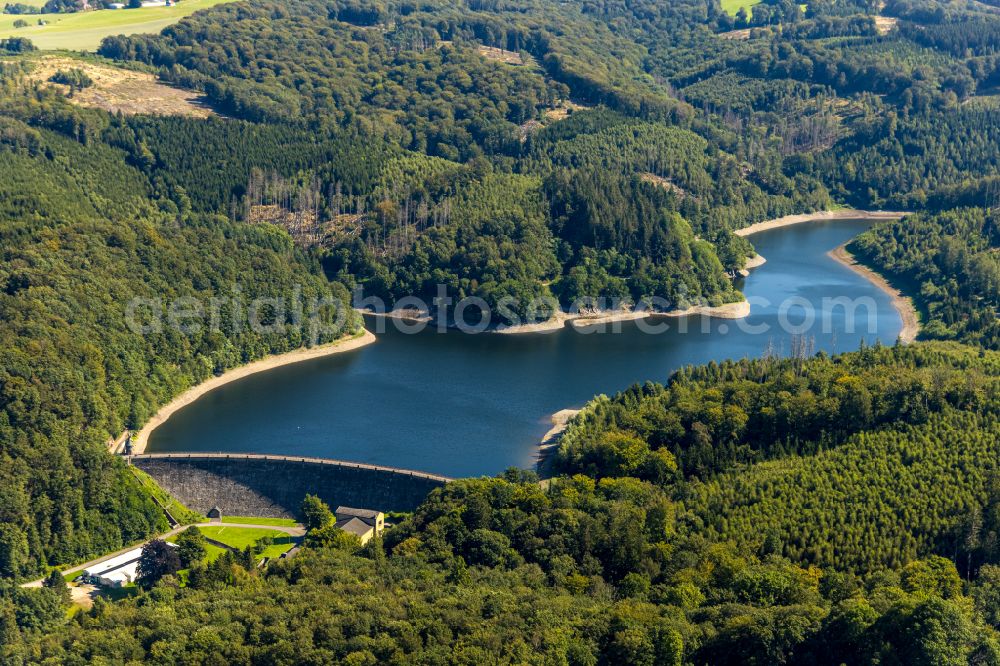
(812, 107)
(83, 234)
(614, 182)
(831, 557)
(818, 511)
(949, 263)
(825, 461)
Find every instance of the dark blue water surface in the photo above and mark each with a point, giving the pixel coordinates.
(463, 405)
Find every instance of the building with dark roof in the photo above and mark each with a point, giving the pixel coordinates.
(362, 523)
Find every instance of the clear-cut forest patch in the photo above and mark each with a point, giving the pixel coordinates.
(118, 90)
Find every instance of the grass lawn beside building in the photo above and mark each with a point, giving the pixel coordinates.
(245, 520)
(241, 537)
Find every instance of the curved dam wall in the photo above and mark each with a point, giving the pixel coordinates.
(273, 486)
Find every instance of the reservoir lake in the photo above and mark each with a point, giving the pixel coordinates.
(469, 405)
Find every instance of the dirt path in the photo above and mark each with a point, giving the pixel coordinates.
(83, 595)
(115, 444)
(902, 303)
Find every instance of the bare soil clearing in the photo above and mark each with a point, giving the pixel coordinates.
(735, 34)
(501, 55)
(121, 90)
(562, 111)
(83, 595)
(665, 183)
(885, 24)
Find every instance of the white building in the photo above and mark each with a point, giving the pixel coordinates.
(117, 571)
(119, 577)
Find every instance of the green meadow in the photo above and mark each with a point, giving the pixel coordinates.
(731, 7)
(83, 31)
(242, 537)
(278, 522)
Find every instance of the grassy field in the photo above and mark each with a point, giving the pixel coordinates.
(211, 550)
(731, 7)
(276, 550)
(276, 522)
(241, 537)
(83, 31)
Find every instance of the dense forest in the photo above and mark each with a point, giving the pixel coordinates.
(794, 456)
(828, 557)
(813, 107)
(827, 510)
(949, 263)
(83, 235)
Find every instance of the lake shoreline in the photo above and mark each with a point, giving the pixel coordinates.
(579, 320)
(550, 440)
(756, 261)
(903, 304)
(820, 216)
(510, 389)
(736, 310)
(361, 339)
(406, 315)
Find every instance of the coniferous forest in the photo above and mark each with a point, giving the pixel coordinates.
(825, 510)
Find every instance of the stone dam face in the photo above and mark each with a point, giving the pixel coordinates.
(273, 486)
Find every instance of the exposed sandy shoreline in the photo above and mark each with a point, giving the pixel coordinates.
(557, 322)
(268, 363)
(756, 261)
(737, 310)
(560, 421)
(409, 316)
(820, 216)
(599, 319)
(903, 305)
(728, 311)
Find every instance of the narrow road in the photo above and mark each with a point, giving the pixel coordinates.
(87, 565)
(115, 445)
(296, 531)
